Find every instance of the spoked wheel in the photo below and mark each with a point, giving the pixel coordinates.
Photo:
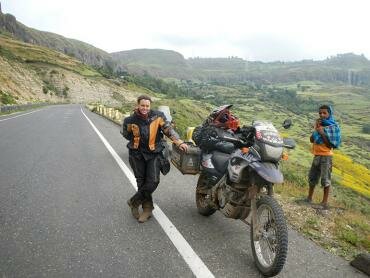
(202, 197)
(271, 244)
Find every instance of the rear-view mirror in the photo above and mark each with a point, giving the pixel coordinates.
(289, 143)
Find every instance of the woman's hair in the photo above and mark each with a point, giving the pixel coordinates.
(143, 97)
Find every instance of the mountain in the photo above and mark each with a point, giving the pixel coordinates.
(156, 62)
(348, 61)
(346, 68)
(82, 51)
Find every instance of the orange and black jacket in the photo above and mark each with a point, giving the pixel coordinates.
(146, 134)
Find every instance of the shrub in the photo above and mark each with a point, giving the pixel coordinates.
(6, 98)
(366, 242)
(349, 236)
(366, 128)
(65, 91)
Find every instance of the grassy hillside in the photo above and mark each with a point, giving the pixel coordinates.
(30, 73)
(18, 51)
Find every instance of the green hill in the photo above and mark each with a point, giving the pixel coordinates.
(156, 62)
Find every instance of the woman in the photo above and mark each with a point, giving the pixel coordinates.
(145, 129)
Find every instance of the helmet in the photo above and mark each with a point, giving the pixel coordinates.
(222, 117)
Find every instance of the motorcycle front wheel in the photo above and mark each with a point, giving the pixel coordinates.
(202, 197)
(270, 246)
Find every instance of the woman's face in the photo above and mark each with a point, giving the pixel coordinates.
(144, 106)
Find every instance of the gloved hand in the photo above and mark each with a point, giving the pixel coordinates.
(247, 134)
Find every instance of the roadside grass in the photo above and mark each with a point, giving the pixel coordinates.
(9, 112)
(344, 230)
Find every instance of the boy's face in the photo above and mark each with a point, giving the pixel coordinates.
(324, 114)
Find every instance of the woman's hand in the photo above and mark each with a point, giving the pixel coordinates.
(184, 147)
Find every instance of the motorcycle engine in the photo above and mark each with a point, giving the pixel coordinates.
(232, 202)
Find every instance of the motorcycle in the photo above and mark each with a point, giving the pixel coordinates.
(240, 185)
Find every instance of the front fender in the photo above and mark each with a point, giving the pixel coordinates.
(268, 171)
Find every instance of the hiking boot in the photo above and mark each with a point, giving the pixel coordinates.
(147, 212)
(134, 209)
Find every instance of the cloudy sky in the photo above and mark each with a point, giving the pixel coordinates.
(263, 30)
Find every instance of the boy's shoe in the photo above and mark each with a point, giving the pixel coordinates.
(321, 206)
(325, 206)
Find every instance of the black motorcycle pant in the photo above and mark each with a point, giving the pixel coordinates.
(147, 172)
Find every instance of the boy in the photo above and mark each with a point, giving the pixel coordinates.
(325, 137)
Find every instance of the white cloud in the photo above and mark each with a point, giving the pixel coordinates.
(256, 30)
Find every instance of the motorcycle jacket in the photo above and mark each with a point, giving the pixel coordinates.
(145, 134)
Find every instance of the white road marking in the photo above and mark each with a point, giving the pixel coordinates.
(196, 265)
(20, 115)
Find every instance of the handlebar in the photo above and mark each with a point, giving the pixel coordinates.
(288, 143)
(237, 142)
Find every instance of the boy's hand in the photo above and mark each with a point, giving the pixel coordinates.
(320, 129)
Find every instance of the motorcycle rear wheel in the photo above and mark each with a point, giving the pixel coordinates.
(270, 250)
(201, 198)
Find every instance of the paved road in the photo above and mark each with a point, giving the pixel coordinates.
(63, 211)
